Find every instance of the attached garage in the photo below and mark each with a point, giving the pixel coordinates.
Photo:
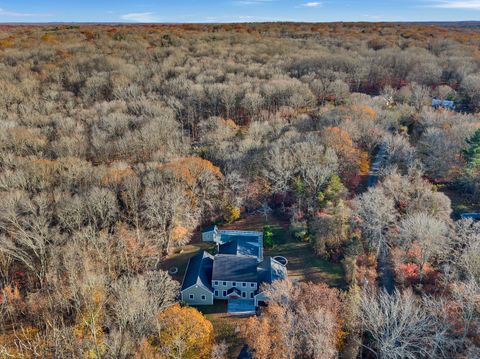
(197, 295)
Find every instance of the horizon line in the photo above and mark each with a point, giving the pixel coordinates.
(233, 22)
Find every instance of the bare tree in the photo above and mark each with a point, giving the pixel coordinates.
(401, 326)
(26, 231)
(138, 300)
(429, 233)
(374, 213)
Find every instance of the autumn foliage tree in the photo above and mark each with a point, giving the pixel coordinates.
(301, 320)
(183, 333)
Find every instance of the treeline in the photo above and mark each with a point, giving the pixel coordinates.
(117, 143)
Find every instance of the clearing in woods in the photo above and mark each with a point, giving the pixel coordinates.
(303, 265)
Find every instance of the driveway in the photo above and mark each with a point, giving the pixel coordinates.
(241, 306)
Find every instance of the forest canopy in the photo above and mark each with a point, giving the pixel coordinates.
(119, 142)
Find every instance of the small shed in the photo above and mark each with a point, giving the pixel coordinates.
(210, 234)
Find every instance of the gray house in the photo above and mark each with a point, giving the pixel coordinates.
(235, 273)
(196, 286)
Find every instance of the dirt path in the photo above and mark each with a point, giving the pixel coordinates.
(386, 279)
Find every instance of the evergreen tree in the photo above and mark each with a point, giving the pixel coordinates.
(472, 152)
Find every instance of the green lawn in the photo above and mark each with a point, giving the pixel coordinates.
(305, 266)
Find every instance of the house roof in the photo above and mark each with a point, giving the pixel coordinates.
(234, 290)
(246, 245)
(270, 270)
(199, 271)
(237, 268)
(445, 103)
(210, 228)
(470, 215)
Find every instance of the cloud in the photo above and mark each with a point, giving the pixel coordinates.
(312, 4)
(140, 17)
(456, 4)
(4, 12)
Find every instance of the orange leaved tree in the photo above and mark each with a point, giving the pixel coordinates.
(183, 333)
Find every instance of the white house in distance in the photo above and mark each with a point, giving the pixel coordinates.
(235, 273)
(448, 104)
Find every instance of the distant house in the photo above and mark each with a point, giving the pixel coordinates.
(436, 103)
(473, 216)
(235, 273)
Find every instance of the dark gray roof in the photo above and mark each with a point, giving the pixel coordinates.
(234, 268)
(270, 270)
(234, 290)
(199, 271)
(470, 215)
(209, 228)
(246, 245)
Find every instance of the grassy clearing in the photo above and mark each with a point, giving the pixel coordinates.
(181, 257)
(305, 266)
(461, 202)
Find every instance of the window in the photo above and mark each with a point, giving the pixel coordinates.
(244, 294)
(191, 296)
(216, 293)
(234, 284)
(204, 297)
(216, 282)
(224, 283)
(244, 284)
(252, 285)
(224, 293)
(251, 295)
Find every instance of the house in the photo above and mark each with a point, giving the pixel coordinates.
(196, 287)
(235, 273)
(472, 216)
(436, 103)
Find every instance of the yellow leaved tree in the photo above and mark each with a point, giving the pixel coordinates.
(183, 333)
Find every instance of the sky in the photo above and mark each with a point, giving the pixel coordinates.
(219, 11)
